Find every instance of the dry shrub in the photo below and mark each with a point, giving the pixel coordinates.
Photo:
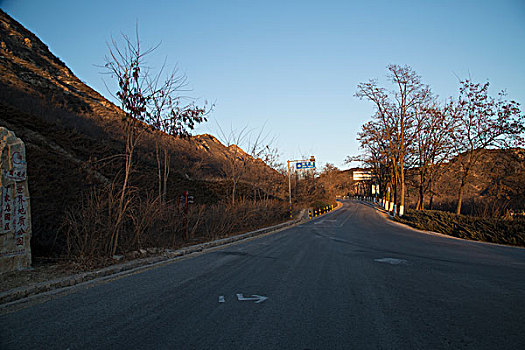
(481, 207)
(151, 223)
(489, 207)
(495, 230)
(225, 219)
(87, 227)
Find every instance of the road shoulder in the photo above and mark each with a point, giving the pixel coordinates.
(55, 285)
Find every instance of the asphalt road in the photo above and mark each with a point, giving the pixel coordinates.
(349, 280)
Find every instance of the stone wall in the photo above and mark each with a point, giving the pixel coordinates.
(15, 217)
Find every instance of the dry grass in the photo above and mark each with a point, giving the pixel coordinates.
(503, 231)
(149, 223)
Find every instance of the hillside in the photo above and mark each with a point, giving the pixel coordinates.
(496, 184)
(38, 83)
(74, 139)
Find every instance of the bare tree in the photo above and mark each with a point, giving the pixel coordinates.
(163, 98)
(395, 116)
(265, 177)
(240, 165)
(432, 146)
(330, 179)
(147, 100)
(235, 165)
(125, 63)
(261, 174)
(172, 114)
(377, 157)
(482, 121)
(271, 157)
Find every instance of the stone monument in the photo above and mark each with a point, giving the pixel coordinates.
(15, 217)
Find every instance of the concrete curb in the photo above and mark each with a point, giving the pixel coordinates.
(167, 256)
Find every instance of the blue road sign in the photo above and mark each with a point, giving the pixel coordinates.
(305, 165)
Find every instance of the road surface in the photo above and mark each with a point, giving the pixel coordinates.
(349, 280)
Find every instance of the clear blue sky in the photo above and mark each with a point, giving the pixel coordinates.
(294, 65)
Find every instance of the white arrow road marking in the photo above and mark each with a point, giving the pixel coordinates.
(258, 298)
(221, 299)
(391, 261)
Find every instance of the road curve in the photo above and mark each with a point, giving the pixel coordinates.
(349, 280)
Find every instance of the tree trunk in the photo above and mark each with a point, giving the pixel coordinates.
(464, 175)
(460, 197)
(421, 199)
(167, 163)
(159, 175)
(402, 199)
(130, 147)
(431, 190)
(396, 194)
(233, 192)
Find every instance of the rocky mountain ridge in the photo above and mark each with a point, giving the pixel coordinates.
(75, 143)
(28, 69)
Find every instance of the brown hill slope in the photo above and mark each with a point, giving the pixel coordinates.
(36, 82)
(496, 184)
(74, 138)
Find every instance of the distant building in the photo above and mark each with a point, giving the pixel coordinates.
(362, 175)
